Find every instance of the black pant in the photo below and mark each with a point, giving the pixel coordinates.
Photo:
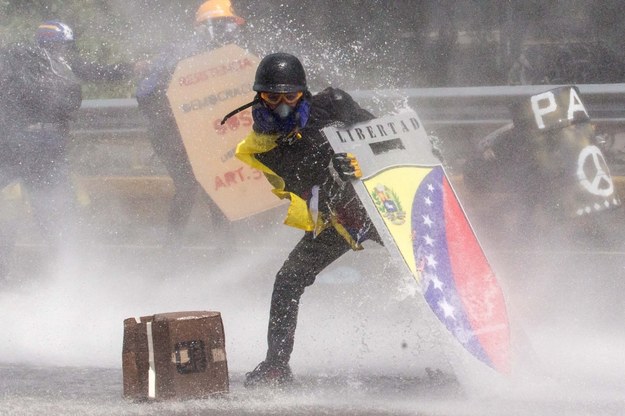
(168, 146)
(38, 159)
(309, 257)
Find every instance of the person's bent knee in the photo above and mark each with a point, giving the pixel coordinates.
(293, 282)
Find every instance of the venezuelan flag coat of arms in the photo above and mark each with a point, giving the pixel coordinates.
(412, 204)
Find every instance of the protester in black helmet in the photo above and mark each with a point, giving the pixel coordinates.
(40, 87)
(299, 162)
(57, 40)
(547, 160)
(215, 25)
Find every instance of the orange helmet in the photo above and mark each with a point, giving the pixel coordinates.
(214, 9)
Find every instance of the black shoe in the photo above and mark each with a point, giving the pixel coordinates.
(269, 374)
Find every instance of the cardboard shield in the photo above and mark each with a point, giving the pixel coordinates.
(416, 212)
(203, 89)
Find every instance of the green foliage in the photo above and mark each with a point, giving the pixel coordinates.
(376, 199)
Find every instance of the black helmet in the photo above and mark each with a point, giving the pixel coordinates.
(280, 72)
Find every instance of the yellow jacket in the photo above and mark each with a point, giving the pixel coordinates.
(298, 214)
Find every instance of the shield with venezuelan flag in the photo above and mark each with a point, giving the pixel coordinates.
(414, 208)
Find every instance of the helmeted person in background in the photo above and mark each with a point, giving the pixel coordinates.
(40, 91)
(547, 159)
(57, 40)
(215, 25)
(288, 147)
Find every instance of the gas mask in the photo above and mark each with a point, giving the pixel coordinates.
(282, 119)
(283, 111)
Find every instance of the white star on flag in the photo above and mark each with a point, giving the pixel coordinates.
(427, 221)
(436, 282)
(447, 309)
(431, 261)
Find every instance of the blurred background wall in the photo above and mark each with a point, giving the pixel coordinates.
(364, 44)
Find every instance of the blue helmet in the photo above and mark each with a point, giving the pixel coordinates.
(53, 32)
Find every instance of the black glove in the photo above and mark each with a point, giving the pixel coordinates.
(346, 166)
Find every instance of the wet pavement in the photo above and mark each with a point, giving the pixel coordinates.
(362, 345)
(94, 391)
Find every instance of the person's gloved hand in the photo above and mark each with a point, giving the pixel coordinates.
(346, 166)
